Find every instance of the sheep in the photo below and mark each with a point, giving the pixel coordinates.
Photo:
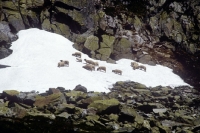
(101, 68)
(96, 64)
(78, 59)
(134, 65)
(117, 71)
(89, 67)
(77, 54)
(62, 63)
(91, 62)
(142, 67)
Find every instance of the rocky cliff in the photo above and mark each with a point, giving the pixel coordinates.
(165, 32)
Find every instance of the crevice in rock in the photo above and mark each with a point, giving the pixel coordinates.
(13, 30)
(26, 26)
(73, 25)
(65, 6)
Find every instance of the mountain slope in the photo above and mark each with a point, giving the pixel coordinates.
(34, 67)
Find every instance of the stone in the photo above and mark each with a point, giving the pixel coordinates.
(105, 105)
(91, 43)
(107, 41)
(80, 88)
(4, 52)
(127, 113)
(53, 90)
(162, 110)
(139, 86)
(145, 59)
(41, 101)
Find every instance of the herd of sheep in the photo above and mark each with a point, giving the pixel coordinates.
(90, 65)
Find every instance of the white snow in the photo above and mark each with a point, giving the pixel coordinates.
(34, 67)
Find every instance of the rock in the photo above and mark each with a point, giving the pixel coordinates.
(105, 106)
(109, 60)
(74, 96)
(80, 88)
(41, 101)
(6, 34)
(11, 95)
(127, 114)
(160, 110)
(107, 41)
(4, 52)
(113, 117)
(105, 52)
(41, 115)
(64, 115)
(91, 111)
(139, 86)
(53, 90)
(145, 59)
(91, 43)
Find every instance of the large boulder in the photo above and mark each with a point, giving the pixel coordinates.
(92, 43)
(106, 106)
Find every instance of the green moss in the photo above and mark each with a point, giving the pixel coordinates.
(3, 110)
(113, 117)
(105, 51)
(11, 92)
(41, 101)
(107, 41)
(101, 105)
(75, 94)
(10, 5)
(124, 43)
(140, 86)
(92, 117)
(92, 43)
(46, 25)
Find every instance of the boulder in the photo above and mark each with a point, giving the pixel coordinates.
(92, 43)
(105, 106)
(80, 88)
(42, 101)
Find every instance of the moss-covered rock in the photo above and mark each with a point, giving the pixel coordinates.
(92, 43)
(103, 105)
(140, 86)
(10, 93)
(107, 41)
(61, 29)
(126, 111)
(105, 52)
(41, 101)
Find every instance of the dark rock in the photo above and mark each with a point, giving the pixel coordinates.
(80, 88)
(11, 95)
(53, 90)
(4, 52)
(62, 89)
(127, 114)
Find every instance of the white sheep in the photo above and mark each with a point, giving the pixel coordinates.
(89, 67)
(117, 71)
(101, 68)
(63, 63)
(77, 54)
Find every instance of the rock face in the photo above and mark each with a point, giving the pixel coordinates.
(151, 32)
(128, 107)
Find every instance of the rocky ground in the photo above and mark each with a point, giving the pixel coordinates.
(129, 107)
(153, 32)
